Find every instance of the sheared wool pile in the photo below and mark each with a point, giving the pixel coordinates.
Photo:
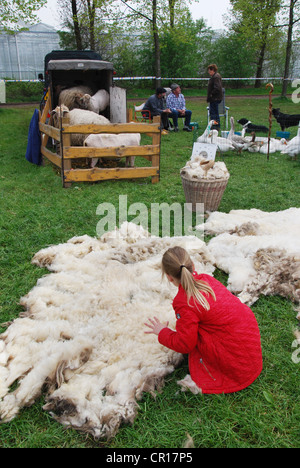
(259, 250)
(194, 171)
(81, 338)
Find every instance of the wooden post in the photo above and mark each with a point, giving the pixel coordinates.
(270, 85)
(43, 118)
(129, 115)
(156, 140)
(66, 164)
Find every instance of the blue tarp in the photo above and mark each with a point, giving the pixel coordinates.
(33, 153)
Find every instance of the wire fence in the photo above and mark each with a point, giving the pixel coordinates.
(134, 78)
(10, 91)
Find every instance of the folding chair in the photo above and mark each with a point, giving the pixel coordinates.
(223, 111)
(138, 114)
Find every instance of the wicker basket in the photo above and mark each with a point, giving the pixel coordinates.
(206, 191)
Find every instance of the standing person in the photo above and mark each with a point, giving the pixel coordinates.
(156, 104)
(218, 332)
(214, 93)
(176, 102)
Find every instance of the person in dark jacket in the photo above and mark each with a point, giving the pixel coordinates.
(214, 93)
(156, 104)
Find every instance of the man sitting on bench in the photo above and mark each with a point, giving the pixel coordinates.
(156, 105)
(176, 102)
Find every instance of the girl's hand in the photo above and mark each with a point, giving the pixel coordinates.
(155, 325)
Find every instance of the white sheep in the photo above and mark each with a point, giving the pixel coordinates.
(106, 140)
(72, 97)
(78, 117)
(96, 103)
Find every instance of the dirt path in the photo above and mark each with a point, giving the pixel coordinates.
(19, 104)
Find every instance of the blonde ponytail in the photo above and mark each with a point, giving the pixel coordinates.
(177, 263)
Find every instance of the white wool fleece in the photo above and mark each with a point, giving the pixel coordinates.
(82, 333)
(260, 251)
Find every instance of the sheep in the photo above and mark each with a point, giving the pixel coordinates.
(72, 97)
(96, 103)
(106, 140)
(260, 251)
(78, 117)
(75, 338)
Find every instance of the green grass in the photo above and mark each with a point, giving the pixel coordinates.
(36, 212)
(17, 92)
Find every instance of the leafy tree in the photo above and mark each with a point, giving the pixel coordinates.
(184, 47)
(128, 56)
(155, 14)
(84, 27)
(12, 12)
(77, 30)
(255, 20)
(148, 10)
(292, 12)
(105, 25)
(235, 56)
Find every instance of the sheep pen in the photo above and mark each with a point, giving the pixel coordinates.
(76, 126)
(81, 337)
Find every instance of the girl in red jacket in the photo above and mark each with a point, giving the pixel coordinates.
(218, 332)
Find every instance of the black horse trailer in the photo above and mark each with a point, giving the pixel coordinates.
(66, 69)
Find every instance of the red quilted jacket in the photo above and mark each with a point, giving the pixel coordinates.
(223, 343)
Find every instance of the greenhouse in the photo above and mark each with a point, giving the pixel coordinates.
(22, 55)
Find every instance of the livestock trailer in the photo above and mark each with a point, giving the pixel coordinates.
(66, 69)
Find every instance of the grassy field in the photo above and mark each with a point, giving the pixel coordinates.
(36, 212)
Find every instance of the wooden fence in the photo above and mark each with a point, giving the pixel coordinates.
(67, 153)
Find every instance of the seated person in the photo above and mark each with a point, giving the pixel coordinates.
(156, 104)
(176, 102)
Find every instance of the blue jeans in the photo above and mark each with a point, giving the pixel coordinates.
(214, 111)
(175, 115)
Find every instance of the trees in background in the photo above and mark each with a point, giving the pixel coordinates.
(12, 12)
(160, 37)
(291, 18)
(135, 33)
(235, 56)
(185, 48)
(142, 37)
(254, 21)
(83, 23)
(269, 27)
